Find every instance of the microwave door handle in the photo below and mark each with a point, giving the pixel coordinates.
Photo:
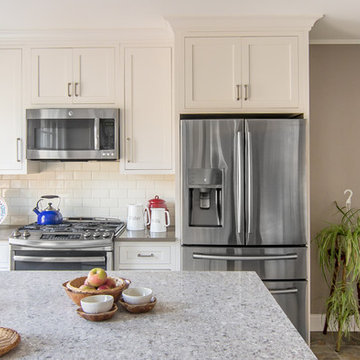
(97, 134)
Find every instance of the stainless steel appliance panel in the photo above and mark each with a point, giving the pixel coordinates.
(269, 263)
(212, 163)
(275, 192)
(72, 134)
(291, 296)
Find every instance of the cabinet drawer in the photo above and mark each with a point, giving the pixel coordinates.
(145, 254)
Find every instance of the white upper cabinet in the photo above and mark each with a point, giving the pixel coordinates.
(213, 68)
(270, 72)
(79, 75)
(11, 113)
(148, 109)
(241, 72)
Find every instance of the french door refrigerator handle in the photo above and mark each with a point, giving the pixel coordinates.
(239, 176)
(250, 189)
(95, 259)
(97, 134)
(283, 291)
(244, 257)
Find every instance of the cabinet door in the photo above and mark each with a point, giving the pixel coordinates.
(11, 113)
(4, 255)
(212, 72)
(148, 108)
(270, 72)
(94, 75)
(52, 76)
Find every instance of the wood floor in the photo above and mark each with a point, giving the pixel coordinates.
(323, 346)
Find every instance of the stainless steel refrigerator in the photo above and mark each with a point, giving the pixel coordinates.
(244, 203)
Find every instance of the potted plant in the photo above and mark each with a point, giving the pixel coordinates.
(339, 257)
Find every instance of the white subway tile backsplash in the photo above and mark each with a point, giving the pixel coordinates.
(86, 189)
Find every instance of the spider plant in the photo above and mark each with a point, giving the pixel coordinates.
(339, 257)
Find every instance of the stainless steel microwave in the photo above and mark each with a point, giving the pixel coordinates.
(72, 134)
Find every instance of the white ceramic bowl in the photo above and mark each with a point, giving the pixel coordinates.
(97, 303)
(137, 295)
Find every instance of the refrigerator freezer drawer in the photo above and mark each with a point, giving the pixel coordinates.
(291, 296)
(269, 263)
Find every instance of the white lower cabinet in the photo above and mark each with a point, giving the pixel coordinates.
(4, 255)
(146, 255)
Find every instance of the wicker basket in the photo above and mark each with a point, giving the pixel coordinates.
(8, 340)
(75, 294)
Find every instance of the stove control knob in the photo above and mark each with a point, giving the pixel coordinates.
(106, 234)
(87, 235)
(25, 234)
(16, 234)
(96, 235)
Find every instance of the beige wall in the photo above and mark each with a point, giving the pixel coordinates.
(334, 142)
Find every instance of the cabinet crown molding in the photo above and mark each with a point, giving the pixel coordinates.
(243, 23)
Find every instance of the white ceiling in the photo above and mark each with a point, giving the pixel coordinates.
(341, 20)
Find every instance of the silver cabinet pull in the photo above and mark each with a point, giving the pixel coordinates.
(77, 87)
(283, 291)
(97, 134)
(246, 89)
(128, 146)
(145, 255)
(18, 149)
(46, 259)
(244, 257)
(238, 95)
(69, 89)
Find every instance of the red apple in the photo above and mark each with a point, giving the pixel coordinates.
(86, 282)
(97, 277)
(110, 283)
(87, 287)
(103, 287)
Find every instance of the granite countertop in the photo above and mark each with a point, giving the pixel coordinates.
(146, 235)
(199, 315)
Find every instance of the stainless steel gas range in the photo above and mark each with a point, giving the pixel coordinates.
(76, 244)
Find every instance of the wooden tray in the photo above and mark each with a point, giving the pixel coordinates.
(137, 309)
(8, 340)
(100, 316)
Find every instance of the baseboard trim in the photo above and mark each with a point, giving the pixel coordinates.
(317, 322)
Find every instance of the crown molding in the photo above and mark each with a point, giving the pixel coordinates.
(243, 23)
(85, 35)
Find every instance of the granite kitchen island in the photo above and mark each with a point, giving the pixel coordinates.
(199, 315)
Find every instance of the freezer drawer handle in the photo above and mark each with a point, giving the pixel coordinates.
(245, 258)
(43, 259)
(283, 291)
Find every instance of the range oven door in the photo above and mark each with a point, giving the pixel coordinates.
(59, 260)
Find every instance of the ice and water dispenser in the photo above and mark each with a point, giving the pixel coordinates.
(205, 188)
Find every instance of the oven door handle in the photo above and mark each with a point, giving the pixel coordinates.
(245, 257)
(70, 259)
(59, 245)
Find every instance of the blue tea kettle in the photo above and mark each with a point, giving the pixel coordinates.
(50, 215)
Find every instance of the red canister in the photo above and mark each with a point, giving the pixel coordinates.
(157, 203)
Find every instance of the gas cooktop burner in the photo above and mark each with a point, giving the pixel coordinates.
(73, 229)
